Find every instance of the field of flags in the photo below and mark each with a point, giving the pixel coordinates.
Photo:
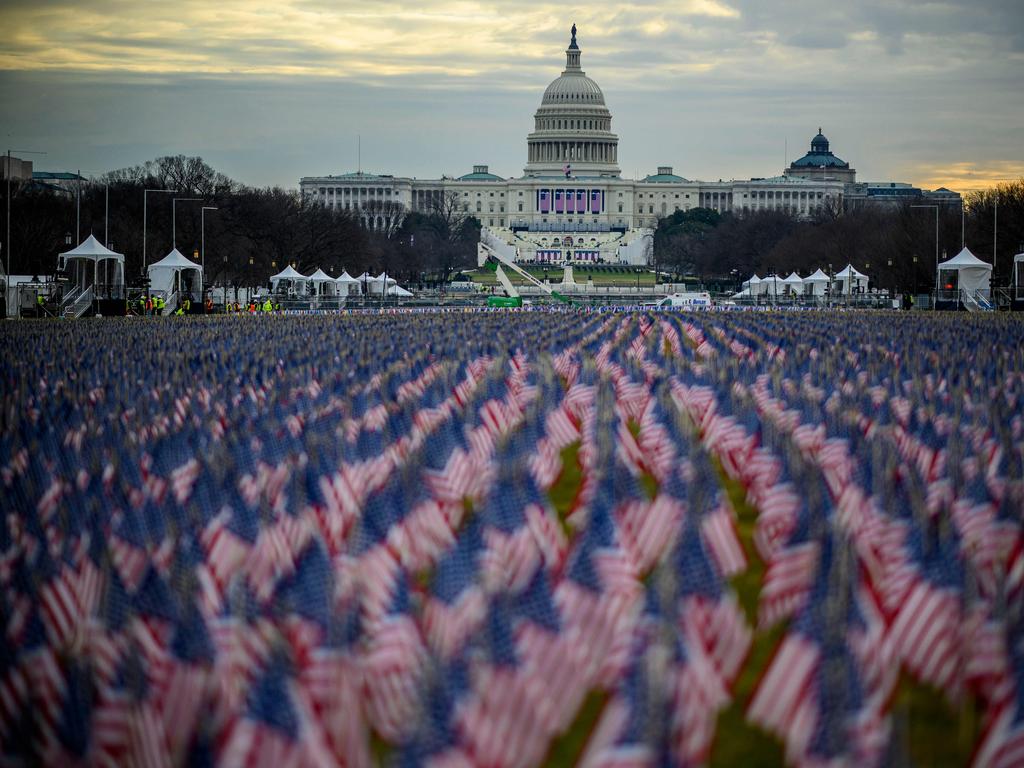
(513, 539)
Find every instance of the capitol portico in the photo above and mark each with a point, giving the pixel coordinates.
(571, 203)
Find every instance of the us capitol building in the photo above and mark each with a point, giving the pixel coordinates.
(572, 205)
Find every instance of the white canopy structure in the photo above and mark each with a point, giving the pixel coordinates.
(771, 286)
(793, 284)
(1018, 273)
(849, 280)
(971, 274)
(323, 284)
(176, 274)
(92, 264)
(376, 284)
(345, 283)
(397, 290)
(294, 282)
(753, 285)
(814, 285)
(345, 279)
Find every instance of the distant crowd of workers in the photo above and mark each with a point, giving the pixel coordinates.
(155, 305)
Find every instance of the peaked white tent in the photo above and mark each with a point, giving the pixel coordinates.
(376, 284)
(93, 260)
(814, 285)
(971, 273)
(793, 284)
(176, 274)
(753, 285)
(294, 282)
(849, 280)
(323, 284)
(345, 283)
(772, 286)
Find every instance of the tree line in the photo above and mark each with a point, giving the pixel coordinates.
(894, 244)
(256, 232)
(253, 233)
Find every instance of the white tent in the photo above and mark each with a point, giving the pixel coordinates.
(397, 290)
(176, 274)
(771, 286)
(93, 260)
(849, 278)
(972, 274)
(1018, 260)
(345, 283)
(793, 284)
(323, 284)
(295, 282)
(376, 284)
(814, 285)
(753, 285)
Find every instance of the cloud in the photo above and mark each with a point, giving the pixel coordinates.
(904, 88)
(969, 176)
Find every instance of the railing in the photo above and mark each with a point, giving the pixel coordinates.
(70, 296)
(80, 305)
(170, 302)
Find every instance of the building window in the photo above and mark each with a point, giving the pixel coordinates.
(520, 207)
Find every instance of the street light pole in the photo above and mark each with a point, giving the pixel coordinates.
(936, 209)
(174, 218)
(995, 233)
(146, 192)
(202, 234)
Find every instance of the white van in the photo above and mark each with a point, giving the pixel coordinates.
(697, 299)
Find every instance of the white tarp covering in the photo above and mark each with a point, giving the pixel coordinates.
(973, 274)
(397, 290)
(174, 273)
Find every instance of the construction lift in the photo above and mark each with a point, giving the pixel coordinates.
(494, 261)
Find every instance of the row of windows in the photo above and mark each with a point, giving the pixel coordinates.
(466, 194)
(553, 124)
(364, 191)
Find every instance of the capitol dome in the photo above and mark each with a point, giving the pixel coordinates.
(572, 134)
(573, 87)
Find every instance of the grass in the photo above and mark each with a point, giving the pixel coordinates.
(567, 749)
(737, 742)
(567, 486)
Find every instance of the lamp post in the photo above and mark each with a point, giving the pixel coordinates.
(174, 217)
(202, 234)
(936, 209)
(145, 197)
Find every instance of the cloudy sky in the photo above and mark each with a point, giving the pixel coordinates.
(928, 92)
